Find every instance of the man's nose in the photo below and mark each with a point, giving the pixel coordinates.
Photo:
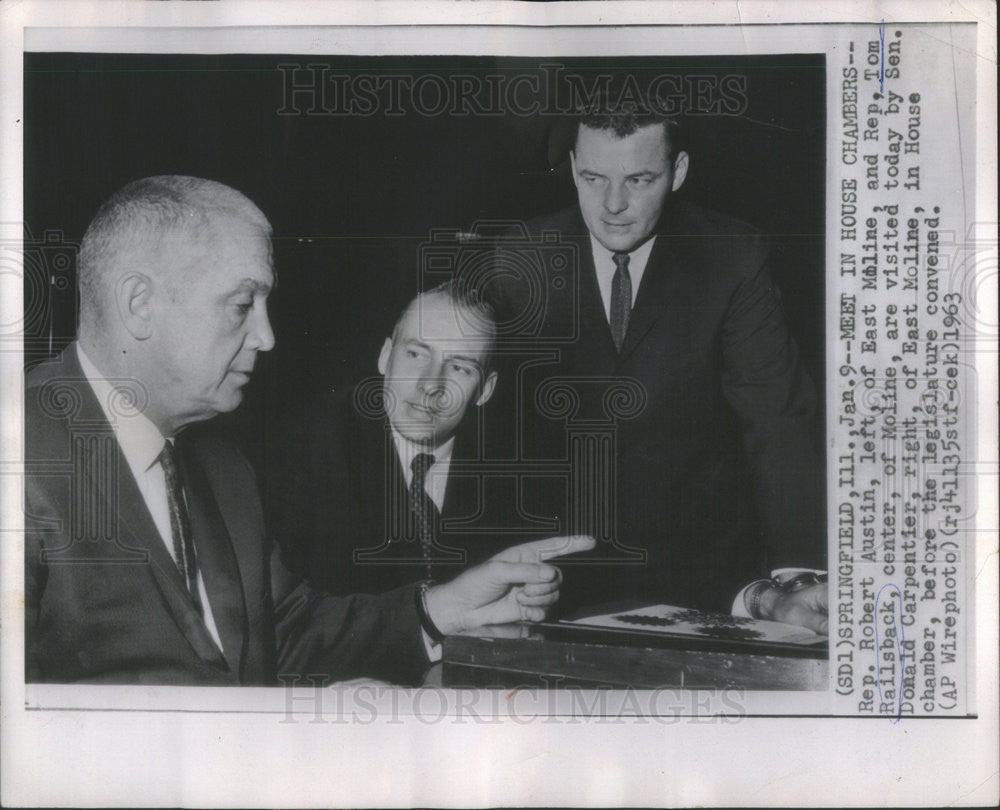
(261, 337)
(431, 381)
(615, 198)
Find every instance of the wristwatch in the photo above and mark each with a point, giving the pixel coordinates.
(783, 583)
(796, 582)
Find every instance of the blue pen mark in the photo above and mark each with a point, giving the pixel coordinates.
(899, 650)
(881, 57)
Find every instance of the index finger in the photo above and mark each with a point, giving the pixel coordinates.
(541, 550)
(511, 572)
(558, 546)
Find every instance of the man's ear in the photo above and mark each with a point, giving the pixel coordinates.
(134, 296)
(383, 356)
(488, 385)
(680, 170)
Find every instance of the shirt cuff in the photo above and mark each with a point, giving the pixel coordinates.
(739, 603)
(432, 648)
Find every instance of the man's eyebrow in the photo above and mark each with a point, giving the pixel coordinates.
(252, 285)
(463, 358)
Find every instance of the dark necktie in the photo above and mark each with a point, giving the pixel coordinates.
(621, 299)
(180, 523)
(423, 507)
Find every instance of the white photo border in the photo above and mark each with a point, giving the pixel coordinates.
(219, 752)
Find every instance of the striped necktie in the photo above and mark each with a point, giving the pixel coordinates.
(180, 523)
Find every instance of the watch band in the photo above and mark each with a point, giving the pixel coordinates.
(426, 622)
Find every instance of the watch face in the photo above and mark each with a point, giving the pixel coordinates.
(799, 581)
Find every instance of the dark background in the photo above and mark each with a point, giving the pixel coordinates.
(351, 198)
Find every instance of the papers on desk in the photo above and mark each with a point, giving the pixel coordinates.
(677, 621)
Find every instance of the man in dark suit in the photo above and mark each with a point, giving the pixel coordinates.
(358, 466)
(145, 555)
(713, 479)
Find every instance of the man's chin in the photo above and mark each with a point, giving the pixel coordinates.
(424, 438)
(418, 432)
(621, 242)
(229, 402)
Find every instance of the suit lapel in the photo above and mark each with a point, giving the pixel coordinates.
(661, 292)
(217, 561)
(592, 305)
(379, 486)
(134, 519)
(583, 299)
(108, 478)
(384, 487)
(461, 495)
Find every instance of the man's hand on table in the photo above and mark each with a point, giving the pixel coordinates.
(806, 607)
(514, 585)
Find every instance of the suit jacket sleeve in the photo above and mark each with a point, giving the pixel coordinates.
(37, 509)
(774, 401)
(345, 637)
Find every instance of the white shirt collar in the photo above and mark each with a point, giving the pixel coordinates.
(409, 450)
(604, 265)
(436, 483)
(140, 440)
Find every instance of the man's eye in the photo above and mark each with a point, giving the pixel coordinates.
(243, 308)
(458, 368)
(640, 181)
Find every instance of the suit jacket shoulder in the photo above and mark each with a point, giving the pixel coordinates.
(719, 245)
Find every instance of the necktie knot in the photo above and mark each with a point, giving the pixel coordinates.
(167, 461)
(621, 261)
(421, 463)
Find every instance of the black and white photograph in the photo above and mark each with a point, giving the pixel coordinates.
(430, 312)
(383, 382)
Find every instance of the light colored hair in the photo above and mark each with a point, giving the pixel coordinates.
(460, 295)
(129, 229)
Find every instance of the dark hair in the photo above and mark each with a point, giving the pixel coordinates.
(624, 117)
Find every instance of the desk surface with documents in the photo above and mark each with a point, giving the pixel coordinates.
(636, 646)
